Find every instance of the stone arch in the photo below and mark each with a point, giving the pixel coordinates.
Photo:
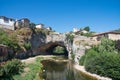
(47, 49)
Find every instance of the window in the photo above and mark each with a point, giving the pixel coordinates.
(6, 20)
(11, 20)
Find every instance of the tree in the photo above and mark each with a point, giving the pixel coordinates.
(59, 50)
(32, 25)
(87, 28)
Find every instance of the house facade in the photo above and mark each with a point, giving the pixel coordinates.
(7, 23)
(40, 26)
(22, 23)
(109, 35)
(13, 24)
(75, 30)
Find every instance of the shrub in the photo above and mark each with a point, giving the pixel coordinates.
(104, 65)
(9, 40)
(34, 71)
(10, 68)
(103, 60)
(117, 45)
(72, 56)
(59, 50)
(27, 45)
(69, 38)
(89, 54)
(87, 28)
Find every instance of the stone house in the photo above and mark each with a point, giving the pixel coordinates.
(22, 23)
(7, 23)
(109, 35)
(13, 24)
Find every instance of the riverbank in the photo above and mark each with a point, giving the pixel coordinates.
(82, 69)
(32, 59)
(76, 66)
(32, 69)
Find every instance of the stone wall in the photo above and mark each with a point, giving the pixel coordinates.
(80, 44)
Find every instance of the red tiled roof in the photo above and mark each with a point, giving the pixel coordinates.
(106, 33)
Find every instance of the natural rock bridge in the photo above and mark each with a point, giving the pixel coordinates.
(51, 42)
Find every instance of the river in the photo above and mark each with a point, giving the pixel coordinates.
(62, 69)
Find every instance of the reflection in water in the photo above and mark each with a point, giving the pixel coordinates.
(53, 70)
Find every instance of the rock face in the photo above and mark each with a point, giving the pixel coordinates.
(39, 43)
(37, 40)
(80, 44)
(78, 48)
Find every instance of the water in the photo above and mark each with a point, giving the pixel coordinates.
(60, 69)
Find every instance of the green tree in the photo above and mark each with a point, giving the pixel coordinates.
(103, 59)
(87, 28)
(59, 50)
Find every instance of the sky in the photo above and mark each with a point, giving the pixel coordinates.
(64, 15)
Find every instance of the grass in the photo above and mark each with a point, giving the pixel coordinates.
(32, 71)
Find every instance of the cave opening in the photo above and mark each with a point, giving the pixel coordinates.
(56, 49)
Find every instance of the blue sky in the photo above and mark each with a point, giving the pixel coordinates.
(64, 15)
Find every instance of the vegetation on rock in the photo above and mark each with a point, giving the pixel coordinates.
(69, 38)
(9, 40)
(103, 60)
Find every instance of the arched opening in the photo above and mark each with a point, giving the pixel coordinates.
(53, 48)
(57, 50)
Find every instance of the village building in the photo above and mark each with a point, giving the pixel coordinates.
(39, 26)
(109, 35)
(84, 31)
(25, 22)
(22, 23)
(7, 23)
(49, 28)
(75, 30)
(12, 24)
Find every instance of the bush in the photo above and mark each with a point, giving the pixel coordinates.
(59, 50)
(69, 38)
(87, 28)
(9, 40)
(27, 45)
(34, 71)
(10, 68)
(117, 45)
(104, 65)
(89, 54)
(72, 56)
(102, 60)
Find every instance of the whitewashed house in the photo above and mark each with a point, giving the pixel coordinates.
(49, 28)
(7, 23)
(40, 26)
(84, 31)
(75, 30)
